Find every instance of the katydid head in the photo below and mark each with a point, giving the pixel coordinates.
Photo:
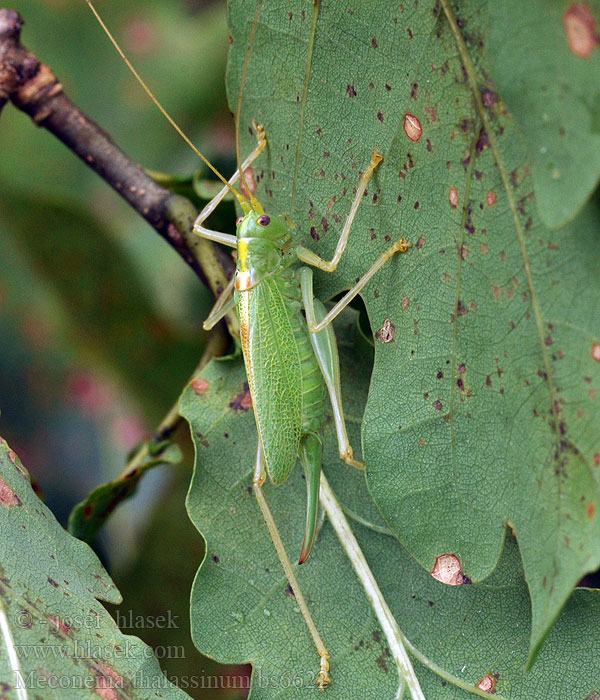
(257, 224)
(261, 245)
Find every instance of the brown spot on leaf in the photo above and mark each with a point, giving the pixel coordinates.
(381, 661)
(412, 127)
(580, 29)
(491, 198)
(20, 468)
(387, 332)
(483, 141)
(453, 197)
(8, 497)
(405, 302)
(242, 401)
(351, 91)
(488, 683)
(433, 113)
(448, 570)
(200, 386)
(596, 352)
(202, 439)
(488, 98)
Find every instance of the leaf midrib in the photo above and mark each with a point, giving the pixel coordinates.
(304, 101)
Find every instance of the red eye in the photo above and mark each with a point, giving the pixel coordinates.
(238, 221)
(264, 220)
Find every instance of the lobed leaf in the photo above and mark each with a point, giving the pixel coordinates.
(546, 66)
(242, 609)
(483, 401)
(54, 634)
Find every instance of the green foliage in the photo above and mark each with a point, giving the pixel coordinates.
(554, 97)
(477, 408)
(242, 608)
(483, 409)
(65, 643)
(100, 319)
(96, 306)
(89, 516)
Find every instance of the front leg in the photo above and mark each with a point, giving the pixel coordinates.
(310, 258)
(226, 238)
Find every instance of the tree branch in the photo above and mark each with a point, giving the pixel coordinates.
(34, 89)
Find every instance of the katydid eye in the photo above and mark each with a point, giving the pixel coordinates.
(264, 220)
(238, 221)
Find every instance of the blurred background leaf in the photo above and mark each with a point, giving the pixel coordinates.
(57, 640)
(554, 98)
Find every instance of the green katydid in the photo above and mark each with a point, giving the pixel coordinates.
(287, 340)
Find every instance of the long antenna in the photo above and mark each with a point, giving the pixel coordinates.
(244, 203)
(238, 115)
